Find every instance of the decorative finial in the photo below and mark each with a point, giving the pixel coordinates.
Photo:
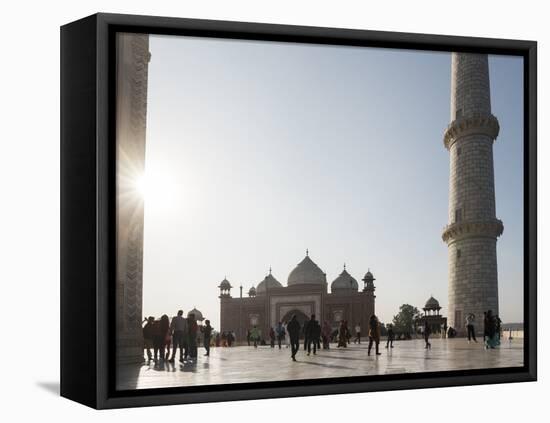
(344, 266)
(307, 252)
(270, 270)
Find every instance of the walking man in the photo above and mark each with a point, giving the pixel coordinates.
(391, 336)
(293, 329)
(357, 334)
(178, 327)
(313, 331)
(207, 333)
(374, 334)
(148, 331)
(280, 330)
(470, 319)
(427, 331)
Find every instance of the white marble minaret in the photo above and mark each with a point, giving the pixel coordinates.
(473, 228)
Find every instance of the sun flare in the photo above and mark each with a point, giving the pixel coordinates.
(142, 186)
(159, 190)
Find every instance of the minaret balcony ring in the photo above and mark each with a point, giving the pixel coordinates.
(459, 230)
(471, 125)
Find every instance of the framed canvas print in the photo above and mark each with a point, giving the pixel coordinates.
(255, 211)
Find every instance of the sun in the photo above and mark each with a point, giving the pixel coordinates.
(142, 186)
(159, 190)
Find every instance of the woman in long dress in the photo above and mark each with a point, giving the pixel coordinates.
(491, 338)
(342, 334)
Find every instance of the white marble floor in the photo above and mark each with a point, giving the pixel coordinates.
(247, 364)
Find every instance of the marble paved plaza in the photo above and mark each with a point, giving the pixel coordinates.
(247, 364)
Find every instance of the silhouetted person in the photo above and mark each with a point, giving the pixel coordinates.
(391, 336)
(357, 334)
(160, 332)
(148, 332)
(343, 334)
(178, 328)
(484, 326)
(272, 337)
(313, 332)
(293, 329)
(374, 334)
(305, 334)
(470, 320)
(498, 325)
(192, 329)
(207, 334)
(451, 332)
(280, 332)
(491, 330)
(255, 336)
(427, 332)
(248, 337)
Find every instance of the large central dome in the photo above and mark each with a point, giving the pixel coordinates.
(307, 273)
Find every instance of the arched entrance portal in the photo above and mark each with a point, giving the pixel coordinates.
(300, 316)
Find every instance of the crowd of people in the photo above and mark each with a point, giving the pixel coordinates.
(180, 334)
(491, 330)
(225, 339)
(316, 336)
(163, 338)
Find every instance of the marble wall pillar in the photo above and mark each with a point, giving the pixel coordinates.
(132, 67)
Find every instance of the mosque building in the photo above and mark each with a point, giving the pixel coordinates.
(306, 293)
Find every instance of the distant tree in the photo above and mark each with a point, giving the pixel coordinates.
(405, 321)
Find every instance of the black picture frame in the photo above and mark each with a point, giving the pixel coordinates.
(87, 209)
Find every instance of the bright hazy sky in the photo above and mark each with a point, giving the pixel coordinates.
(259, 150)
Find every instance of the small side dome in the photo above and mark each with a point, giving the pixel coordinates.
(369, 282)
(225, 284)
(368, 276)
(269, 282)
(432, 304)
(344, 282)
(252, 292)
(197, 313)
